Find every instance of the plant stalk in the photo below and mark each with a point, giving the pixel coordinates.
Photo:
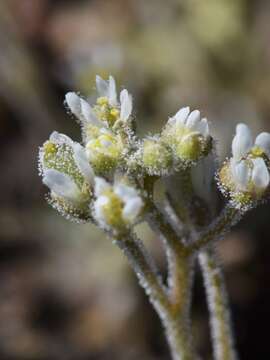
(220, 318)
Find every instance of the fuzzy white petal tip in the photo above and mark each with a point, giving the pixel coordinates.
(242, 142)
(83, 163)
(181, 115)
(61, 184)
(241, 173)
(125, 192)
(112, 93)
(263, 141)
(193, 119)
(260, 174)
(74, 103)
(101, 185)
(132, 208)
(126, 105)
(102, 86)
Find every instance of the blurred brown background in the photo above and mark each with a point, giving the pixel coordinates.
(65, 291)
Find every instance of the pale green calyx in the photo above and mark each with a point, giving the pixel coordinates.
(155, 156)
(188, 136)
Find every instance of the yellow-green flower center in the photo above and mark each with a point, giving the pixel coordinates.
(113, 210)
(105, 112)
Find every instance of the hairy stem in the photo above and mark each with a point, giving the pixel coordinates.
(174, 315)
(145, 269)
(220, 322)
(216, 230)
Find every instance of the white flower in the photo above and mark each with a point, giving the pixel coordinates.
(242, 143)
(116, 205)
(250, 175)
(188, 136)
(106, 111)
(191, 121)
(68, 174)
(246, 175)
(247, 164)
(78, 152)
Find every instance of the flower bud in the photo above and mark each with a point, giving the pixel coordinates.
(105, 152)
(156, 157)
(245, 177)
(108, 112)
(188, 136)
(66, 171)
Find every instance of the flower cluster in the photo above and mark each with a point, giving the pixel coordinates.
(80, 176)
(245, 176)
(102, 124)
(188, 135)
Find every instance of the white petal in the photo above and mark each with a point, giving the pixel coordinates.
(61, 184)
(125, 192)
(242, 142)
(101, 186)
(132, 208)
(263, 141)
(181, 115)
(241, 173)
(88, 114)
(126, 105)
(260, 174)
(98, 208)
(83, 163)
(60, 139)
(193, 120)
(112, 94)
(102, 86)
(203, 127)
(74, 103)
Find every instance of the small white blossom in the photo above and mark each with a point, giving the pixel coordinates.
(254, 173)
(116, 205)
(246, 174)
(106, 111)
(66, 171)
(191, 121)
(188, 136)
(253, 169)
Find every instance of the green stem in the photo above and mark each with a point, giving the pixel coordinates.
(217, 229)
(174, 316)
(178, 335)
(145, 269)
(221, 331)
